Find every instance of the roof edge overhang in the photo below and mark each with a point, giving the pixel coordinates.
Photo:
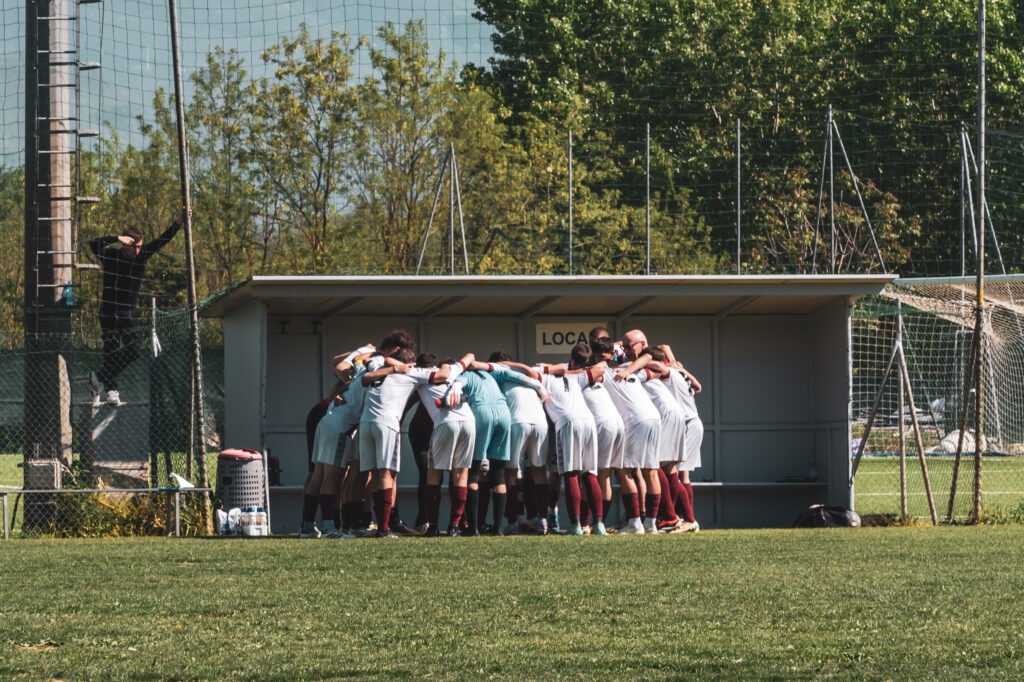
(352, 288)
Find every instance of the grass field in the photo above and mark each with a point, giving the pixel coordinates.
(877, 485)
(886, 603)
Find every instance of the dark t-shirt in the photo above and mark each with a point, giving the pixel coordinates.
(122, 277)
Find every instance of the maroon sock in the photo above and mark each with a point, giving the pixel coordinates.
(572, 496)
(584, 510)
(631, 501)
(689, 504)
(679, 495)
(606, 506)
(382, 501)
(594, 493)
(540, 500)
(667, 509)
(433, 504)
(457, 497)
(326, 507)
(651, 503)
(309, 505)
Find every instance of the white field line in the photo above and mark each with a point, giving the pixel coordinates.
(896, 494)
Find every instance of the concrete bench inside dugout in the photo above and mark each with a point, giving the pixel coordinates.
(772, 352)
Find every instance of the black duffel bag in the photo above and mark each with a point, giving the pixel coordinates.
(822, 516)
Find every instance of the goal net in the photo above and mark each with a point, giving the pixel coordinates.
(937, 317)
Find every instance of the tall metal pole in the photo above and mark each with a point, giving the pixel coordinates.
(979, 317)
(963, 204)
(451, 210)
(739, 212)
(831, 195)
(570, 202)
(647, 174)
(193, 307)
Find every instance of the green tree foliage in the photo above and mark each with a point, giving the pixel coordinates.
(899, 75)
(300, 133)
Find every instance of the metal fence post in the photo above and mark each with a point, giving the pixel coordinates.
(7, 528)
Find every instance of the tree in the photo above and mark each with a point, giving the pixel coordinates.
(300, 138)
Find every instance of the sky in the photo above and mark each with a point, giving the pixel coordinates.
(131, 39)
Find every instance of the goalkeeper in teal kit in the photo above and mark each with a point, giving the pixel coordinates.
(493, 425)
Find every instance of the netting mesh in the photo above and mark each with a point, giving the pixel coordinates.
(132, 446)
(323, 135)
(937, 328)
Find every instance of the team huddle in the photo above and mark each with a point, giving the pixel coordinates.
(510, 436)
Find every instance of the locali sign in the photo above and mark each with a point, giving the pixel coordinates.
(558, 338)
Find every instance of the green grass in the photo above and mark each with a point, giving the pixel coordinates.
(877, 485)
(892, 603)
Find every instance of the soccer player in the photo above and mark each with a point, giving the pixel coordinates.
(528, 441)
(451, 442)
(673, 430)
(575, 433)
(123, 270)
(611, 431)
(387, 392)
(332, 440)
(493, 429)
(685, 386)
(643, 430)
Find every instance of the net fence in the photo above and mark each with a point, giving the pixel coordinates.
(131, 447)
(319, 131)
(938, 319)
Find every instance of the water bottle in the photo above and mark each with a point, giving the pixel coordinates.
(67, 296)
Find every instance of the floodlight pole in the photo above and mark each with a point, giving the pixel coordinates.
(451, 209)
(193, 308)
(979, 330)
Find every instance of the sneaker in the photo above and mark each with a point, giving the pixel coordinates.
(632, 527)
(95, 387)
(552, 520)
(335, 534)
(690, 527)
(651, 527)
(384, 534)
(114, 399)
(586, 530)
(670, 526)
(453, 531)
(309, 531)
(575, 529)
(399, 528)
(348, 534)
(431, 532)
(538, 526)
(599, 529)
(511, 529)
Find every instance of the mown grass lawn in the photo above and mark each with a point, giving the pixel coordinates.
(889, 603)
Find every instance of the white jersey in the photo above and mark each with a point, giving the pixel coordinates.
(630, 398)
(565, 402)
(598, 400)
(386, 398)
(661, 395)
(348, 414)
(523, 402)
(430, 393)
(679, 384)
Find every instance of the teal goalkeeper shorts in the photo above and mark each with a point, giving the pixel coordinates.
(493, 425)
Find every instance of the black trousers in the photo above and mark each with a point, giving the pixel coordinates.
(122, 345)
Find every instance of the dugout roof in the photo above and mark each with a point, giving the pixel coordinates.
(325, 297)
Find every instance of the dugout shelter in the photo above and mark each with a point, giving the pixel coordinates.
(773, 353)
